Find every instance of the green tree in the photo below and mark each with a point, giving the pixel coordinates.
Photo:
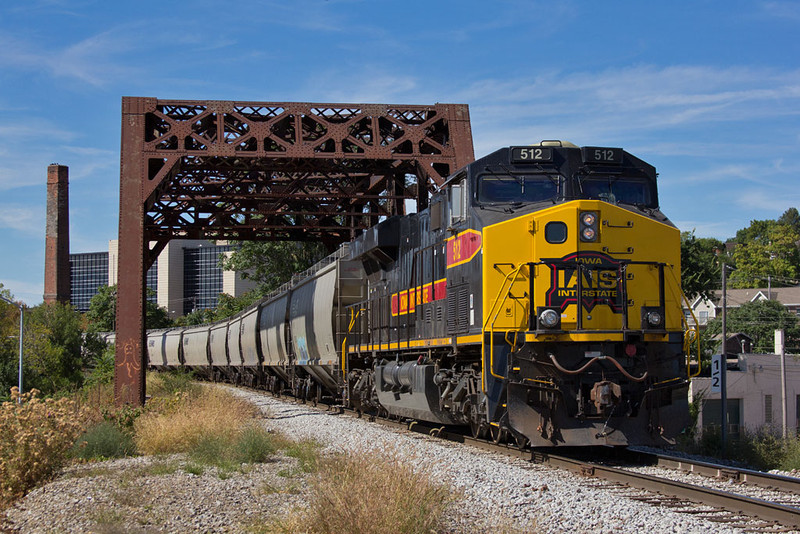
(272, 263)
(700, 270)
(770, 251)
(791, 217)
(53, 347)
(9, 344)
(102, 314)
(759, 320)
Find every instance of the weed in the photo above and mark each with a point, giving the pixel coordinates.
(36, 437)
(214, 412)
(194, 468)
(254, 445)
(760, 449)
(307, 453)
(102, 441)
(362, 494)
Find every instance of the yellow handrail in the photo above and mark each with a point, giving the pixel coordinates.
(353, 316)
(492, 315)
(690, 333)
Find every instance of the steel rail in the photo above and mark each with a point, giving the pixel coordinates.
(747, 476)
(756, 508)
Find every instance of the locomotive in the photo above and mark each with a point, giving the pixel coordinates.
(536, 299)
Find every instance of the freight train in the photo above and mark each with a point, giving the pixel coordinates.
(536, 299)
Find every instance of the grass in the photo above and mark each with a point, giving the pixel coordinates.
(213, 427)
(213, 412)
(367, 494)
(103, 441)
(761, 449)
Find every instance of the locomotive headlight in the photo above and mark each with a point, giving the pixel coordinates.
(588, 224)
(654, 318)
(549, 318)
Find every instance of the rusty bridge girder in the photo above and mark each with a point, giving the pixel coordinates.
(260, 171)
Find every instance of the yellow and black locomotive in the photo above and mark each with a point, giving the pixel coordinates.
(536, 298)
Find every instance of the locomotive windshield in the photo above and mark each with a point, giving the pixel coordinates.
(618, 189)
(502, 188)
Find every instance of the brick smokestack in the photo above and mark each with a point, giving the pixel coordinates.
(56, 266)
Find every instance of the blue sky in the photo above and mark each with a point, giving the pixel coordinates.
(707, 91)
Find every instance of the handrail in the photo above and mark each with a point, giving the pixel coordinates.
(690, 333)
(353, 316)
(493, 312)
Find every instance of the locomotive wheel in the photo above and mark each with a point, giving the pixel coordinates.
(478, 429)
(497, 434)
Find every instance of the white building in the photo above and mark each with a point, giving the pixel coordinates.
(187, 275)
(754, 395)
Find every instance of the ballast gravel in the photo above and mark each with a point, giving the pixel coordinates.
(496, 493)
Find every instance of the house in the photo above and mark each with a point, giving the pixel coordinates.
(705, 310)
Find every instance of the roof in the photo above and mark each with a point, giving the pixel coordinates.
(788, 296)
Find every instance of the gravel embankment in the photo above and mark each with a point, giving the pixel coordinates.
(495, 491)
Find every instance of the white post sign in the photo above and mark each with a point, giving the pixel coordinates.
(716, 373)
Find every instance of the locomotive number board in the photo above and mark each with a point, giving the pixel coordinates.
(531, 154)
(596, 154)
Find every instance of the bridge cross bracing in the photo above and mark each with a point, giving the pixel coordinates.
(225, 170)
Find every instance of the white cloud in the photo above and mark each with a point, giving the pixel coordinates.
(92, 60)
(28, 220)
(29, 292)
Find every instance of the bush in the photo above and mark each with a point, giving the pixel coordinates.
(102, 441)
(36, 438)
(103, 368)
(364, 494)
(760, 449)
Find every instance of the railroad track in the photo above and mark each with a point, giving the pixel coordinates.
(725, 507)
(732, 509)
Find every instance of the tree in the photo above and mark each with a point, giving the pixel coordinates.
(272, 263)
(700, 270)
(102, 314)
(759, 320)
(9, 344)
(52, 348)
(791, 217)
(771, 252)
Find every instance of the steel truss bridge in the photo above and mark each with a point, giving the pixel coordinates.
(225, 170)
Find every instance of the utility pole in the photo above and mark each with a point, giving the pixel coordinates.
(724, 370)
(780, 348)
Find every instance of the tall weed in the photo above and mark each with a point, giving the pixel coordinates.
(362, 494)
(212, 412)
(37, 435)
